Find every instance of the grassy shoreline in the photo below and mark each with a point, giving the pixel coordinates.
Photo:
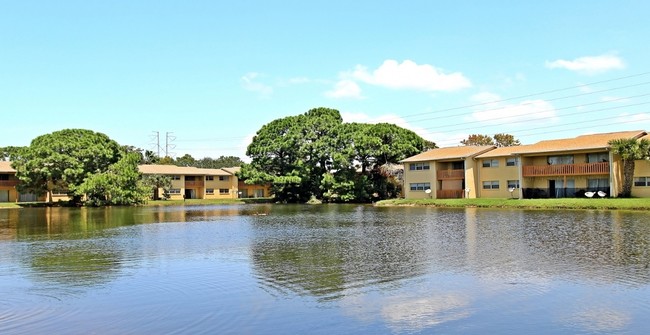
(564, 203)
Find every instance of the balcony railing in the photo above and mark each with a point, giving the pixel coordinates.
(9, 183)
(194, 184)
(451, 174)
(450, 194)
(566, 169)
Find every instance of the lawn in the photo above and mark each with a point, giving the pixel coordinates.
(565, 203)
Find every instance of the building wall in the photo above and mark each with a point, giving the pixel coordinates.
(641, 169)
(228, 185)
(502, 174)
(419, 176)
(253, 191)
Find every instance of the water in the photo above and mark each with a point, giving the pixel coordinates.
(276, 269)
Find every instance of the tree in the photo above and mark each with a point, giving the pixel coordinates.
(505, 140)
(499, 140)
(10, 153)
(317, 155)
(185, 160)
(221, 162)
(121, 184)
(630, 150)
(157, 181)
(476, 139)
(63, 159)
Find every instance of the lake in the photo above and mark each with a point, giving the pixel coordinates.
(324, 269)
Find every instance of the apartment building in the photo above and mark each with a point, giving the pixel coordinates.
(197, 183)
(573, 167)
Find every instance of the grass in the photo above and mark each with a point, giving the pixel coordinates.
(564, 203)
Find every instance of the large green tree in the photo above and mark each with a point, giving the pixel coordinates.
(121, 184)
(630, 150)
(64, 159)
(317, 155)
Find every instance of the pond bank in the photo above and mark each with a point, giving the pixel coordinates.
(564, 203)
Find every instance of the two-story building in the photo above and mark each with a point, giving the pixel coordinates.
(443, 173)
(8, 182)
(572, 167)
(198, 183)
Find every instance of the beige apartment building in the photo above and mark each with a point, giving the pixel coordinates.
(583, 166)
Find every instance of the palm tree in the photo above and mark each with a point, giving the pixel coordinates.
(630, 150)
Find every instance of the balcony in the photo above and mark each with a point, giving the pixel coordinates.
(194, 184)
(8, 183)
(450, 194)
(566, 169)
(451, 174)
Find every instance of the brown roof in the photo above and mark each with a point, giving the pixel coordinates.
(232, 170)
(180, 170)
(503, 151)
(438, 154)
(584, 142)
(6, 167)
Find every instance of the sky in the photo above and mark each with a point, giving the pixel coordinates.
(202, 77)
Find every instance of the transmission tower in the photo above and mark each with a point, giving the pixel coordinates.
(168, 145)
(155, 145)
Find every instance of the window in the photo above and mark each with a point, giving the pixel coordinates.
(420, 186)
(491, 185)
(174, 191)
(642, 181)
(419, 166)
(560, 160)
(597, 158)
(223, 178)
(224, 191)
(209, 177)
(513, 184)
(176, 177)
(490, 163)
(190, 178)
(597, 183)
(512, 161)
(4, 176)
(458, 165)
(209, 191)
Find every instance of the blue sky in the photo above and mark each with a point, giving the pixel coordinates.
(214, 72)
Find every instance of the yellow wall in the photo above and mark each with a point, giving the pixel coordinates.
(502, 173)
(641, 169)
(419, 176)
(229, 184)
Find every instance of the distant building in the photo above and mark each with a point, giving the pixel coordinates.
(198, 183)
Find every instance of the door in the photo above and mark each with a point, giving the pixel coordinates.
(189, 194)
(551, 188)
(4, 195)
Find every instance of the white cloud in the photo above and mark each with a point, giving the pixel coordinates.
(345, 89)
(409, 75)
(634, 118)
(589, 64)
(249, 82)
(494, 112)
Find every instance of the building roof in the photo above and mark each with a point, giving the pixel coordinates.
(503, 151)
(232, 170)
(439, 154)
(583, 142)
(181, 170)
(6, 167)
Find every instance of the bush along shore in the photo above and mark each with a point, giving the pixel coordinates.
(564, 203)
